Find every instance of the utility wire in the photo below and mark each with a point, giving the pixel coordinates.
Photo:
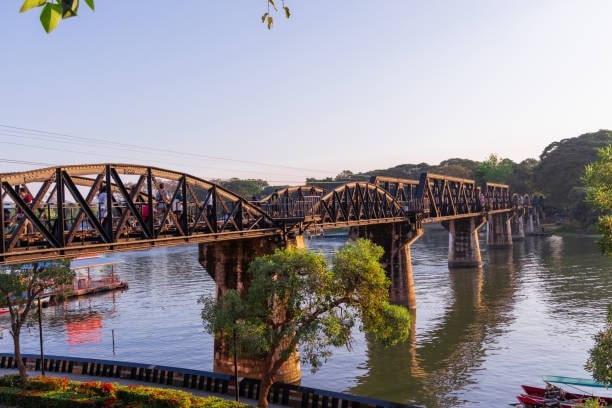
(56, 136)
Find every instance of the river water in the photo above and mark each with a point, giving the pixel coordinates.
(531, 310)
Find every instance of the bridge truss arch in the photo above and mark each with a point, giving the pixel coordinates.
(58, 214)
(358, 203)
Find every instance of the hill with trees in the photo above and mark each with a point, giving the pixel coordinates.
(555, 176)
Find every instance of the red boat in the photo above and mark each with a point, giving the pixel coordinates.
(531, 400)
(541, 392)
(565, 392)
(536, 401)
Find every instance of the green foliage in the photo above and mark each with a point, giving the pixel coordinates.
(495, 169)
(590, 403)
(599, 362)
(50, 392)
(522, 178)
(246, 188)
(344, 175)
(48, 383)
(19, 287)
(295, 298)
(598, 180)
(562, 166)
(153, 397)
(53, 11)
(21, 283)
(10, 380)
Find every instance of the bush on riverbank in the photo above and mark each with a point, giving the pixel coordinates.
(55, 392)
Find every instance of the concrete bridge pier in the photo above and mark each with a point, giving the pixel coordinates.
(530, 222)
(396, 240)
(227, 262)
(499, 231)
(463, 245)
(534, 218)
(517, 225)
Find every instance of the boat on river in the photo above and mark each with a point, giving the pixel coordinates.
(581, 386)
(564, 392)
(535, 401)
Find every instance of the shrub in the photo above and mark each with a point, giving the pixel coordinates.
(48, 383)
(10, 380)
(155, 397)
(56, 392)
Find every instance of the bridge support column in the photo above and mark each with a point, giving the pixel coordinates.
(227, 262)
(534, 221)
(499, 232)
(463, 245)
(530, 224)
(517, 226)
(395, 240)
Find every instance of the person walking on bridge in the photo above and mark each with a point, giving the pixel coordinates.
(102, 210)
(163, 197)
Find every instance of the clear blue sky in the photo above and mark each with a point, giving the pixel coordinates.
(203, 87)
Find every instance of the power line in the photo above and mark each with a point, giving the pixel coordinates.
(65, 138)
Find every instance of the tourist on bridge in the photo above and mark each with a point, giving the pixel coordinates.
(162, 196)
(27, 198)
(177, 205)
(163, 199)
(102, 197)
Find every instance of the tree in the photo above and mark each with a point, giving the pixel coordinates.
(600, 356)
(19, 287)
(54, 11)
(246, 188)
(561, 167)
(295, 299)
(495, 169)
(344, 175)
(598, 180)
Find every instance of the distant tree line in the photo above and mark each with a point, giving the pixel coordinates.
(556, 176)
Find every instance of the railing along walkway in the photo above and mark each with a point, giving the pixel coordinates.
(197, 380)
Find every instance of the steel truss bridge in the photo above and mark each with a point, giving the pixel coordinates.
(62, 219)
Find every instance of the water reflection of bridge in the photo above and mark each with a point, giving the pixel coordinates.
(73, 210)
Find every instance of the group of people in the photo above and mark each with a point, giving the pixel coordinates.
(12, 220)
(162, 198)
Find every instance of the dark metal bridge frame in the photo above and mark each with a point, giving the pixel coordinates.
(62, 219)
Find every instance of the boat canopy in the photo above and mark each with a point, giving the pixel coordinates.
(579, 385)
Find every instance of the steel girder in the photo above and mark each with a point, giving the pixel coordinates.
(498, 196)
(358, 203)
(63, 219)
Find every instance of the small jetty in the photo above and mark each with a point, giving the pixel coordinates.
(89, 279)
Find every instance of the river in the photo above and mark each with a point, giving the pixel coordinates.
(479, 333)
